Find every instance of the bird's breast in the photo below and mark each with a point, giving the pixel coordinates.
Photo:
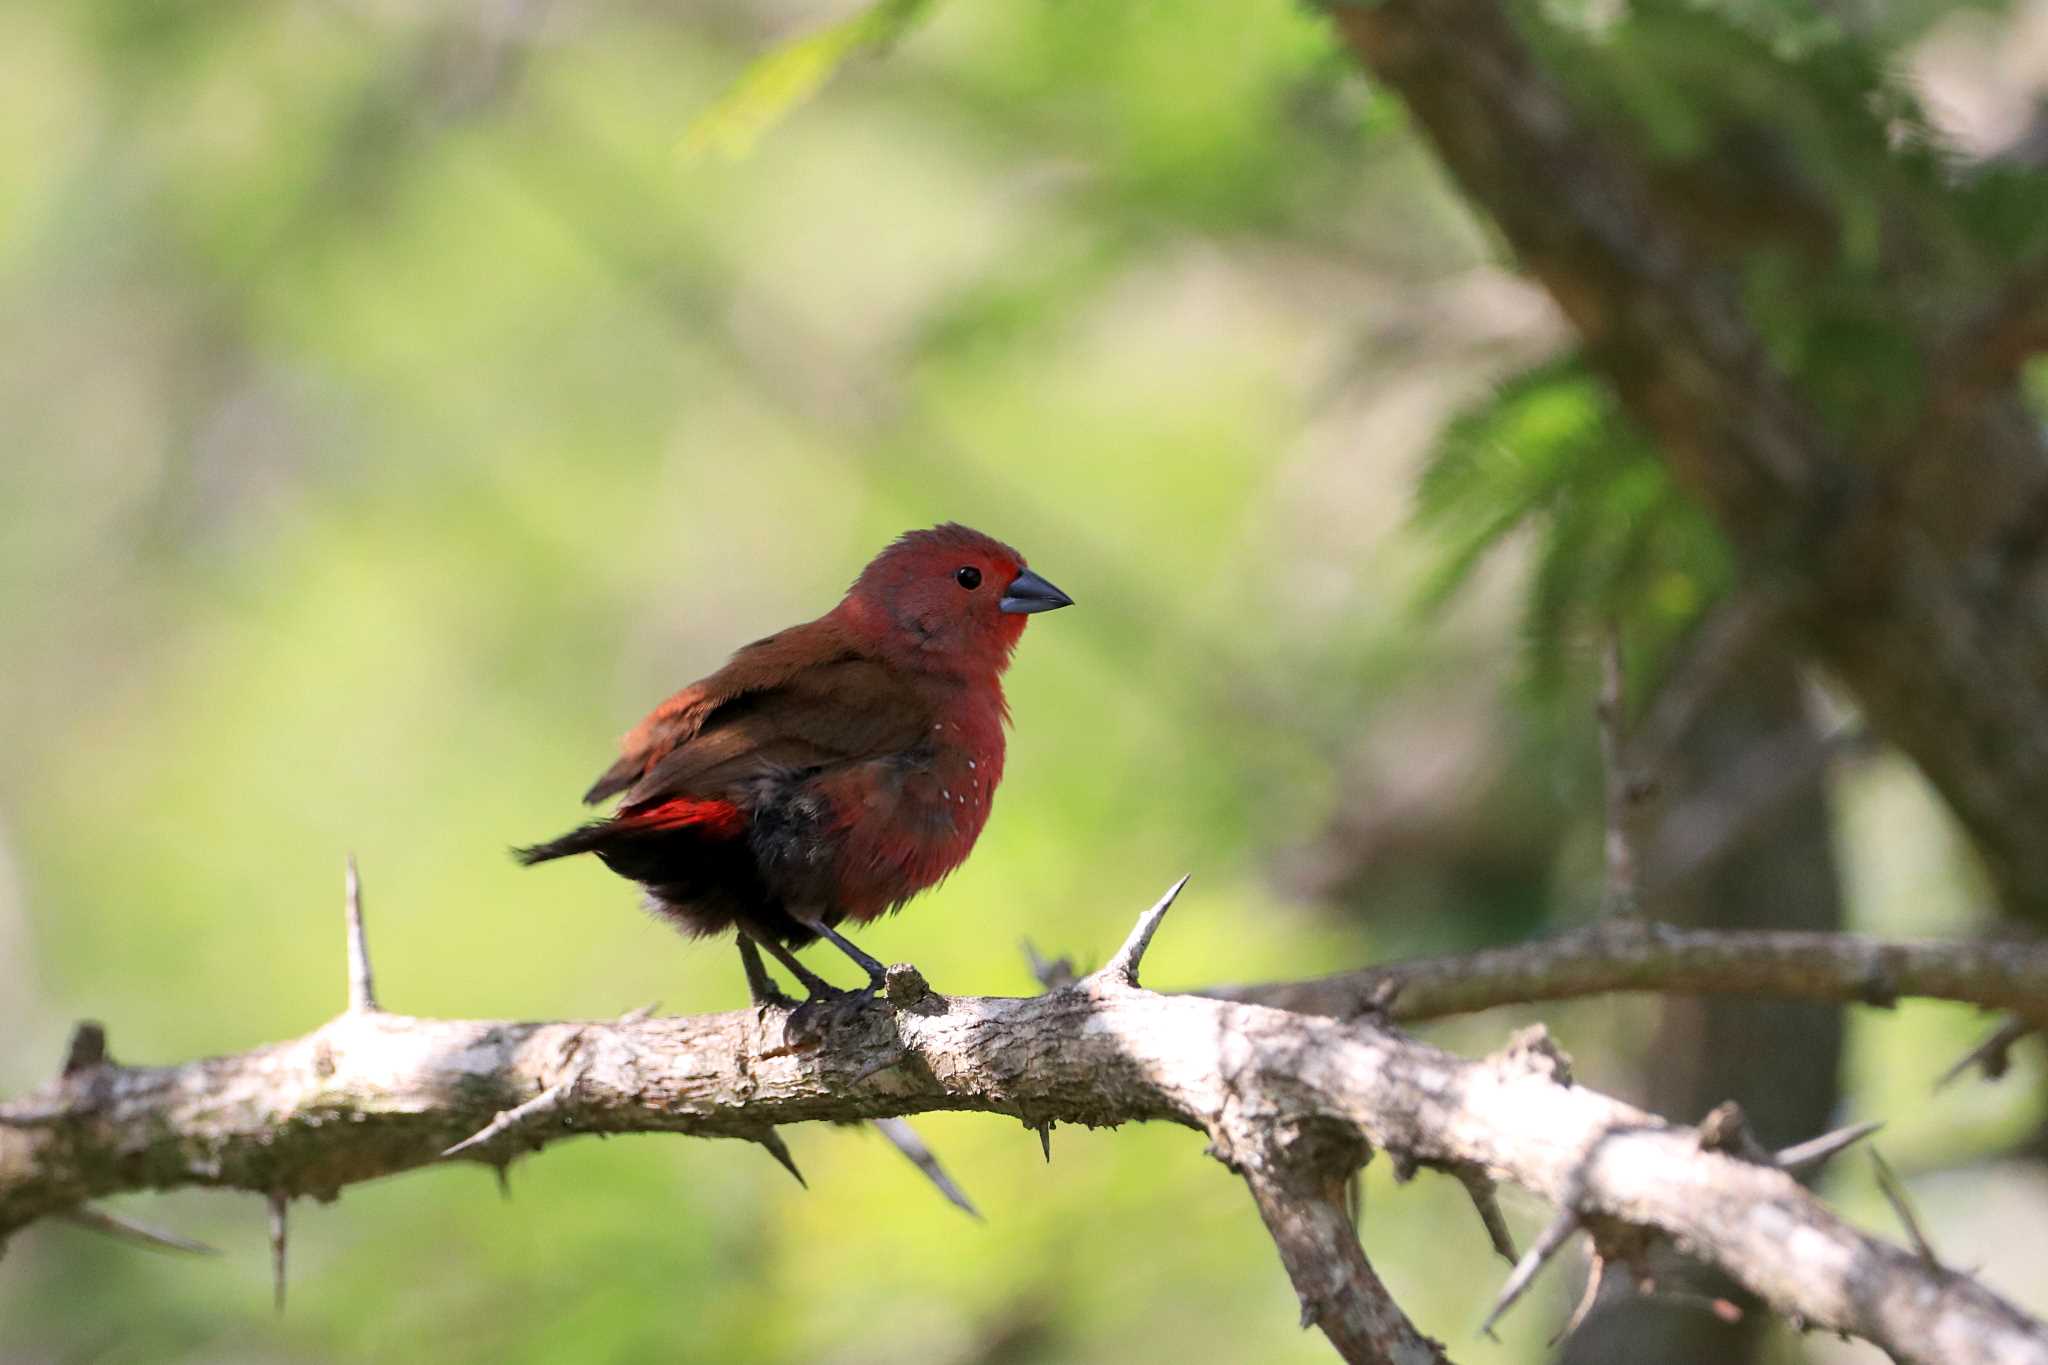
(918, 817)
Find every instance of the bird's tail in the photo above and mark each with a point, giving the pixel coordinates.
(583, 839)
(701, 818)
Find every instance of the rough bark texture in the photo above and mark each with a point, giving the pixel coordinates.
(1916, 574)
(1290, 1101)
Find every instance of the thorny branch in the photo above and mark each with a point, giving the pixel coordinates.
(1292, 1102)
(1628, 955)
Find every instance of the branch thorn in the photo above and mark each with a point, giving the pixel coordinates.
(1052, 975)
(362, 987)
(1596, 1271)
(777, 1148)
(1994, 1054)
(113, 1225)
(278, 1201)
(1814, 1152)
(1123, 968)
(1623, 793)
(905, 1140)
(1480, 1186)
(1894, 1191)
(1547, 1244)
(87, 1049)
(1044, 1131)
(535, 1109)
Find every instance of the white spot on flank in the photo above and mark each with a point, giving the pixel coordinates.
(943, 792)
(970, 763)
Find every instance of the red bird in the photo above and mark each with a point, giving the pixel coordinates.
(832, 771)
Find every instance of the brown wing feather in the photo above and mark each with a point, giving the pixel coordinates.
(847, 710)
(761, 665)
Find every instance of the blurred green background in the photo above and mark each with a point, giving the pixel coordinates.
(392, 415)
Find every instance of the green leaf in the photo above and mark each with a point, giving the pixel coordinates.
(1551, 456)
(776, 83)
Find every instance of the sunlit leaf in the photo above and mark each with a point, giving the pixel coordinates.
(776, 83)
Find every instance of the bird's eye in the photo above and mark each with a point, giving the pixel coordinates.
(967, 576)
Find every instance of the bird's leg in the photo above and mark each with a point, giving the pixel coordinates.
(760, 985)
(878, 975)
(818, 986)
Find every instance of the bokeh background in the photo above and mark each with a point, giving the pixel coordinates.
(392, 414)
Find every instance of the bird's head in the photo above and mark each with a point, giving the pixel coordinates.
(950, 598)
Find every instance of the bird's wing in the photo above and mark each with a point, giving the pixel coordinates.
(847, 709)
(762, 665)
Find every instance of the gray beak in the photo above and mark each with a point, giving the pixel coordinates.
(1028, 592)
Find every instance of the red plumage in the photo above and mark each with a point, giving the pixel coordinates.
(832, 771)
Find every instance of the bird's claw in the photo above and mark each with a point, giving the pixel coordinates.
(765, 1001)
(831, 1006)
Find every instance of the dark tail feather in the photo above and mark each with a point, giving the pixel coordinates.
(581, 840)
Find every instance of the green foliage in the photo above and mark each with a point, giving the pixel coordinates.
(774, 84)
(400, 420)
(1794, 147)
(396, 418)
(1612, 538)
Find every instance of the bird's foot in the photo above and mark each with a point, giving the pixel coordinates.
(773, 999)
(761, 987)
(833, 1007)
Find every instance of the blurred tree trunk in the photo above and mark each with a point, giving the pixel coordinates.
(1911, 553)
(1780, 1060)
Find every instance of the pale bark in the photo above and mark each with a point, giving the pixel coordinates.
(1290, 1101)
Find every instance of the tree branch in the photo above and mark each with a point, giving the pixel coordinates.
(1292, 1102)
(1667, 329)
(1922, 589)
(1339, 1291)
(1623, 955)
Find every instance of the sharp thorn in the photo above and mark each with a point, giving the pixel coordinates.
(1123, 968)
(87, 1049)
(905, 1140)
(278, 1201)
(1815, 1152)
(362, 987)
(1594, 1274)
(1050, 974)
(1480, 1188)
(1045, 1140)
(779, 1149)
(1621, 894)
(1894, 1191)
(476, 1139)
(507, 1120)
(1994, 1053)
(113, 1225)
(1354, 1199)
(503, 1170)
(1554, 1235)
